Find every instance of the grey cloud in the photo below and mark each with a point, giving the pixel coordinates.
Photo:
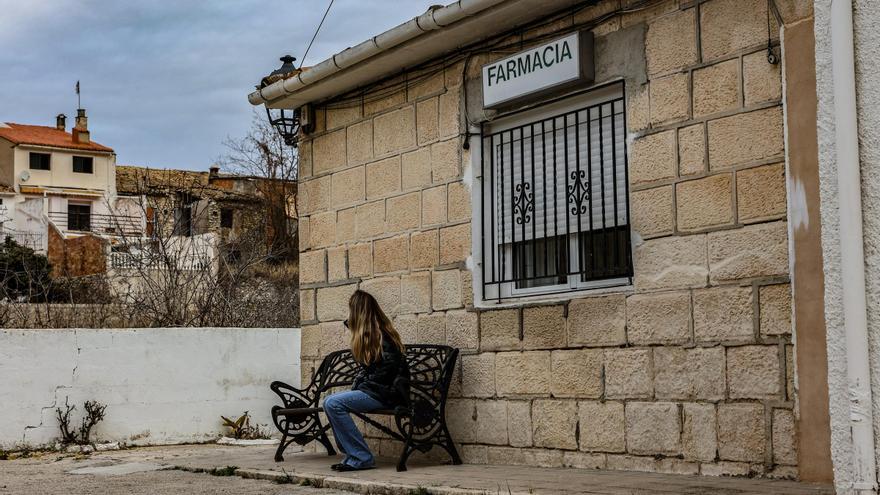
(166, 81)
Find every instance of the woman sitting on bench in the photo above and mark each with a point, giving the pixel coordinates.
(383, 382)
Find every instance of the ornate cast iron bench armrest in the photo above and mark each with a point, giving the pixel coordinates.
(291, 396)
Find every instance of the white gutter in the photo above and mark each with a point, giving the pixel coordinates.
(852, 256)
(437, 32)
(431, 20)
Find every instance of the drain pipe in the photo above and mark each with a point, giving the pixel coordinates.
(852, 256)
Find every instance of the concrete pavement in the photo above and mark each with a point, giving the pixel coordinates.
(181, 469)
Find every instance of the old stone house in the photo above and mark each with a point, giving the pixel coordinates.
(601, 203)
(229, 208)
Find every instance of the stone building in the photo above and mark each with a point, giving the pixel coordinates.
(188, 202)
(612, 248)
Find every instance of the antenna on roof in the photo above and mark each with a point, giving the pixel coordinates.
(78, 103)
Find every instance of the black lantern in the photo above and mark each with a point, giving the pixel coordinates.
(285, 121)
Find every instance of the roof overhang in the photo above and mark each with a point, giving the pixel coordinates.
(437, 32)
(68, 149)
(61, 191)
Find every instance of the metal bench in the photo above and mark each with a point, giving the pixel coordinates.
(420, 424)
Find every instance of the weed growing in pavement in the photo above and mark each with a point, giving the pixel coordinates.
(241, 428)
(224, 471)
(288, 479)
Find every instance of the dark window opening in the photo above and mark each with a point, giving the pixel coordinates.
(183, 221)
(233, 256)
(226, 217)
(83, 164)
(183, 216)
(605, 253)
(79, 217)
(40, 161)
(541, 263)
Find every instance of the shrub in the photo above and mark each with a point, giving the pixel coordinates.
(24, 274)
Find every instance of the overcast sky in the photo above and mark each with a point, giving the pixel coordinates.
(165, 81)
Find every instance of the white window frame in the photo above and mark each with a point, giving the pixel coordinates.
(507, 293)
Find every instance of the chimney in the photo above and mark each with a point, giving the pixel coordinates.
(61, 122)
(214, 171)
(81, 128)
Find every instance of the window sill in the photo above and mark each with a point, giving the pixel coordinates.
(559, 297)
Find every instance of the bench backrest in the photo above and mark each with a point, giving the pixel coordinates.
(431, 368)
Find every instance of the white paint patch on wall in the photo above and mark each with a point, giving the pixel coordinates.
(799, 215)
(160, 385)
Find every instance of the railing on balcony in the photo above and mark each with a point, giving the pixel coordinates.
(129, 261)
(33, 240)
(98, 223)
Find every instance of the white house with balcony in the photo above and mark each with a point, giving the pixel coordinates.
(52, 176)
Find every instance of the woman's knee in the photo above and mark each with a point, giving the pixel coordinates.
(334, 403)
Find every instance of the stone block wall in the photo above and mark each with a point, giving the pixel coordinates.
(76, 256)
(690, 370)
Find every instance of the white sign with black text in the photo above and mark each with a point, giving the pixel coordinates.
(539, 69)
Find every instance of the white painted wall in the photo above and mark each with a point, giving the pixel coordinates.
(866, 18)
(61, 174)
(160, 385)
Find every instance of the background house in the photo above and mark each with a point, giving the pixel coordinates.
(58, 177)
(227, 210)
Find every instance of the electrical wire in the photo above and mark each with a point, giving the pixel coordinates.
(494, 45)
(316, 34)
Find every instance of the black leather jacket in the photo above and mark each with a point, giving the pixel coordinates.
(386, 379)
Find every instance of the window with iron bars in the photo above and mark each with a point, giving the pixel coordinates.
(554, 199)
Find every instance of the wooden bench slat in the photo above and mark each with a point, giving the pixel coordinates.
(302, 411)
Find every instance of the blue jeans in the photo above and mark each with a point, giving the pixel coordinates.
(349, 440)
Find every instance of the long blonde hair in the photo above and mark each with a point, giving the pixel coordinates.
(368, 325)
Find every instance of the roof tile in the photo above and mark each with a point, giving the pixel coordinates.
(46, 136)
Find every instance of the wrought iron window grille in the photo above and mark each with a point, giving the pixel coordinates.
(555, 202)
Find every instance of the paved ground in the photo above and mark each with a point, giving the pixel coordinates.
(166, 470)
(130, 472)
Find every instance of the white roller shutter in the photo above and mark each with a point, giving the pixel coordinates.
(560, 175)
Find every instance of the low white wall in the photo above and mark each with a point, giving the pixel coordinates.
(160, 385)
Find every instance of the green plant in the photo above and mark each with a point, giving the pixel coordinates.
(24, 274)
(3, 455)
(287, 480)
(419, 490)
(224, 471)
(241, 428)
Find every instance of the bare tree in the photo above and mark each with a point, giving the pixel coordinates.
(180, 274)
(262, 153)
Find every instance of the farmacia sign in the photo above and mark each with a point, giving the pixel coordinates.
(544, 68)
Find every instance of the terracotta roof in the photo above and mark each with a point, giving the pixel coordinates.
(46, 136)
